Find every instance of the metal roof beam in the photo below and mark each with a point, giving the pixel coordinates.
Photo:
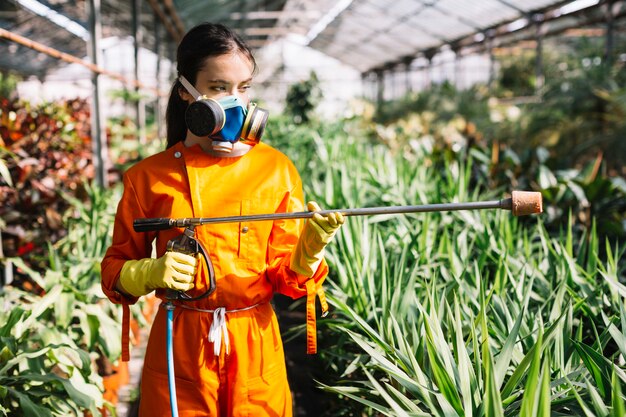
(174, 15)
(512, 6)
(55, 53)
(59, 19)
(550, 13)
(327, 19)
(256, 43)
(403, 19)
(275, 14)
(456, 16)
(266, 31)
(169, 26)
(226, 14)
(223, 12)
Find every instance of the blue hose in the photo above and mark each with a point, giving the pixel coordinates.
(170, 358)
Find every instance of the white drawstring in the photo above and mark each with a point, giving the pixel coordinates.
(218, 328)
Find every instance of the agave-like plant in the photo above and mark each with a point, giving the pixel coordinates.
(465, 313)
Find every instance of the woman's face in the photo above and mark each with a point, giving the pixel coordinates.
(224, 75)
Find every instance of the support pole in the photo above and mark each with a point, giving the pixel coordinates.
(429, 54)
(140, 111)
(408, 84)
(610, 36)
(380, 83)
(492, 59)
(8, 266)
(457, 66)
(98, 121)
(366, 85)
(158, 103)
(539, 75)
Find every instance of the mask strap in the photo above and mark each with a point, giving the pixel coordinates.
(190, 88)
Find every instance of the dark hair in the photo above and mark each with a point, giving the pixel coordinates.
(201, 42)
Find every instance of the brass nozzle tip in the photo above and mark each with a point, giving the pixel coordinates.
(526, 202)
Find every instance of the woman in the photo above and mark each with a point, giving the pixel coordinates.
(228, 351)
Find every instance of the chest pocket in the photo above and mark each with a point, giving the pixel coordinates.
(222, 239)
(254, 235)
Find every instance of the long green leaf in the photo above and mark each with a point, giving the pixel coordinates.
(504, 358)
(467, 379)
(597, 365)
(492, 398)
(436, 349)
(28, 407)
(545, 400)
(521, 369)
(618, 404)
(529, 406)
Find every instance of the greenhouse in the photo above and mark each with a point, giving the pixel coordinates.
(313, 208)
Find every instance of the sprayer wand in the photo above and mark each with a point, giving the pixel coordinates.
(520, 203)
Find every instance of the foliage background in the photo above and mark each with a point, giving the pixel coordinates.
(466, 313)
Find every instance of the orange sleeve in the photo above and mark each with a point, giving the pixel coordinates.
(283, 238)
(127, 244)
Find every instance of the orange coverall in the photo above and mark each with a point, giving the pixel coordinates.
(251, 262)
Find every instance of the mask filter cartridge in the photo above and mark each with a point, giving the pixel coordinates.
(226, 119)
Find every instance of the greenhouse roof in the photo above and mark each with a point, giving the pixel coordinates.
(369, 35)
(372, 33)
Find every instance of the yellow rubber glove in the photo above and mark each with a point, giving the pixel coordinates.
(317, 232)
(173, 270)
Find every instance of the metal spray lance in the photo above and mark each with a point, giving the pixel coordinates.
(520, 203)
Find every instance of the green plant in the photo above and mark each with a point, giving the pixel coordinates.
(55, 336)
(463, 313)
(46, 150)
(8, 84)
(302, 98)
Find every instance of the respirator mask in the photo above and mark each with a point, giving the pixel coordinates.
(227, 121)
